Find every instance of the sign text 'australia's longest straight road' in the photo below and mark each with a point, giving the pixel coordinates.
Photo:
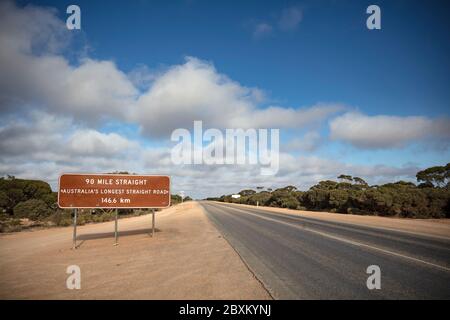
(113, 191)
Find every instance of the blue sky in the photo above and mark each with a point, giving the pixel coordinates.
(402, 69)
(324, 55)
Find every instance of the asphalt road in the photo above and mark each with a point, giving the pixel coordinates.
(304, 258)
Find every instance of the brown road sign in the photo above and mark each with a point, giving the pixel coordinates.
(113, 191)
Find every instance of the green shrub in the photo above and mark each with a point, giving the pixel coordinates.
(290, 203)
(32, 209)
(4, 200)
(13, 191)
(430, 199)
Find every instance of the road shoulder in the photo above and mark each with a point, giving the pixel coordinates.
(187, 259)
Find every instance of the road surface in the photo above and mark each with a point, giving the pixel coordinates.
(305, 258)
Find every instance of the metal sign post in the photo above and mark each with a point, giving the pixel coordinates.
(74, 245)
(153, 222)
(115, 229)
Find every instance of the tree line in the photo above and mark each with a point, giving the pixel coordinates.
(429, 198)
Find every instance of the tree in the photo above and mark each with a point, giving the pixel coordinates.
(18, 190)
(175, 198)
(337, 200)
(345, 177)
(34, 209)
(119, 172)
(290, 203)
(50, 199)
(325, 185)
(36, 189)
(401, 198)
(346, 186)
(15, 196)
(4, 200)
(261, 198)
(425, 185)
(288, 188)
(360, 181)
(247, 192)
(438, 175)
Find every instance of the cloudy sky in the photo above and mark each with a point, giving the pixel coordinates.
(107, 97)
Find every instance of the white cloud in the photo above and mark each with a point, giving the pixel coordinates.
(262, 30)
(31, 29)
(290, 18)
(43, 146)
(92, 142)
(278, 117)
(141, 76)
(309, 142)
(197, 91)
(96, 90)
(194, 90)
(32, 134)
(34, 74)
(382, 131)
(42, 136)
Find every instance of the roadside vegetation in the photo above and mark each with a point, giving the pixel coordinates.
(26, 204)
(429, 198)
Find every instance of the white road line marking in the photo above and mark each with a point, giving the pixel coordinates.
(355, 243)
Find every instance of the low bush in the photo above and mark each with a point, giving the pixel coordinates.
(32, 209)
(430, 199)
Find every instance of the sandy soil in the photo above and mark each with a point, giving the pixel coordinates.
(428, 227)
(187, 259)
